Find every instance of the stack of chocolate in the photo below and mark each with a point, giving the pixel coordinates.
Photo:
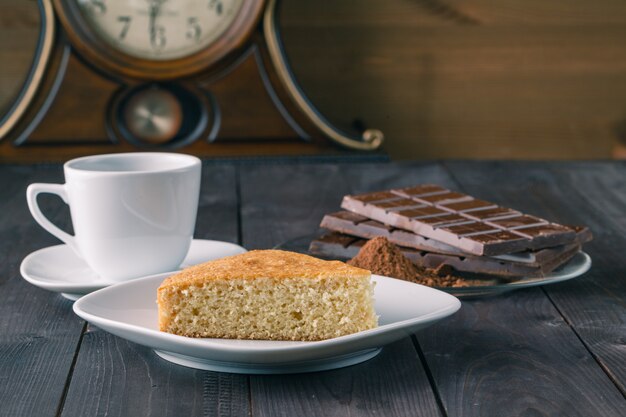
(440, 229)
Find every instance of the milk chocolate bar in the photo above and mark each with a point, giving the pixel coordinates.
(356, 225)
(337, 245)
(474, 226)
(360, 226)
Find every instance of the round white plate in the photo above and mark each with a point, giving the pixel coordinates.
(59, 269)
(129, 311)
(575, 267)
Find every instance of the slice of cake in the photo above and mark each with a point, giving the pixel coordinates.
(267, 294)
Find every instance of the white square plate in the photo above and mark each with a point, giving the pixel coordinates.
(129, 310)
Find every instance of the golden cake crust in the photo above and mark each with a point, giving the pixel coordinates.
(274, 264)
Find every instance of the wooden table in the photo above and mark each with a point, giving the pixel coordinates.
(559, 350)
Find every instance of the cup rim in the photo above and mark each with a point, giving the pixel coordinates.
(187, 162)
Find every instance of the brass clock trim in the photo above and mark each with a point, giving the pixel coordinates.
(103, 55)
(370, 139)
(37, 72)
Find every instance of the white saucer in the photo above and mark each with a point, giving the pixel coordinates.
(129, 311)
(59, 269)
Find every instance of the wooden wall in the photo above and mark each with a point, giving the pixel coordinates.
(19, 21)
(468, 78)
(442, 78)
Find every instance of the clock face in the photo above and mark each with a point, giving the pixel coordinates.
(160, 29)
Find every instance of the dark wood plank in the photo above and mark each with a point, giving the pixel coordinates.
(504, 355)
(515, 355)
(38, 331)
(578, 193)
(287, 201)
(113, 377)
(523, 333)
(391, 384)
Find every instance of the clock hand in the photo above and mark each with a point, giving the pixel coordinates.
(151, 24)
(155, 11)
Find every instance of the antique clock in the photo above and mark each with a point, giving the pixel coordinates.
(208, 77)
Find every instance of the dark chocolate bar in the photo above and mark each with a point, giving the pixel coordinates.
(337, 245)
(360, 226)
(474, 226)
(490, 266)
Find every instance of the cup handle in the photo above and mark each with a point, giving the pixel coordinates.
(32, 192)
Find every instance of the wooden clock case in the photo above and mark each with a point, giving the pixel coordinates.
(238, 96)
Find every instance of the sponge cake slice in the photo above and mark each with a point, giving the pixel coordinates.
(270, 295)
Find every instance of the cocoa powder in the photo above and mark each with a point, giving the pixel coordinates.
(382, 257)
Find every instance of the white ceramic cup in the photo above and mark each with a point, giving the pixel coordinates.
(133, 214)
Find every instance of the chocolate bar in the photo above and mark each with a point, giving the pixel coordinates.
(490, 266)
(356, 225)
(360, 226)
(474, 226)
(337, 245)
